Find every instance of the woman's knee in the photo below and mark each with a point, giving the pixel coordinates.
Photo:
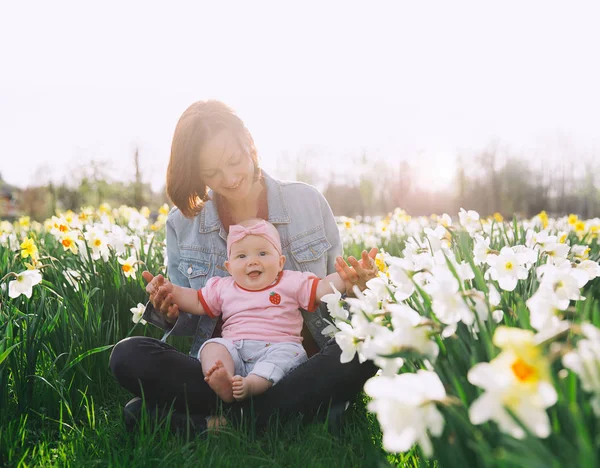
(353, 371)
(126, 354)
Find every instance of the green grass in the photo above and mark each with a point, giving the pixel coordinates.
(100, 439)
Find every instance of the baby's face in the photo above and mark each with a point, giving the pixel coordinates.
(254, 263)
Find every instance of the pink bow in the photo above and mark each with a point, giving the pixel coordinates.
(261, 228)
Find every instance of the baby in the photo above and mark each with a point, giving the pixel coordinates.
(259, 304)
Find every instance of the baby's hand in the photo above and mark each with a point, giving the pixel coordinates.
(358, 272)
(166, 288)
(154, 285)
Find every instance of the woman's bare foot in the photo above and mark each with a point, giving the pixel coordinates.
(219, 379)
(214, 423)
(240, 386)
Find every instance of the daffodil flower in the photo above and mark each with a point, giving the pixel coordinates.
(29, 249)
(69, 242)
(128, 266)
(517, 379)
(137, 313)
(334, 304)
(406, 409)
(507, 268)
(585, 362)
(24, 283)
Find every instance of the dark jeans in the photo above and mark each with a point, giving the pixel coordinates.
(168, 376)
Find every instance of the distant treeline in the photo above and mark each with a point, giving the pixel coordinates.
(487, 182)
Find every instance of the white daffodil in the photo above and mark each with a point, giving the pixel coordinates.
(406, 409)
(117, 238)
(137, 221)
(481, 306)
(128, 266)
(417, 253)
(380, 346)
(469, 220)
(380, 288)
(506, 268)
(406, 332)
(481, 249)
(24, 283)
(448, 304)
(527, 256)
(365, 301)
(58, 226)
(517, 379)
(445, 220)
(349, 342)
(437, 237)
(137, 313)
(580, 252)
(564, 280)
(335, 304)
(591, 268)
(555, 251)
(537, 240)
(330, 330)
(544, 308)
(399, 269)
(68, 240)
(415, 330)
(98, 243)
(585, 362)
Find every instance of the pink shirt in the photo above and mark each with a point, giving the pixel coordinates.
(270, 314)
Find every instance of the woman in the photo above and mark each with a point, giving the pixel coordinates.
(212, 148)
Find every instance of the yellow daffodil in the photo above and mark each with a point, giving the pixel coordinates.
(381, 265)
(164, 210)
(543, 218)
(580, 228)
(29, 249)
(572, 219)
(104, 208)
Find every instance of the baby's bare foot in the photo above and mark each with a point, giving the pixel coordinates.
(219, 380)
(240, 387)
(210, 371)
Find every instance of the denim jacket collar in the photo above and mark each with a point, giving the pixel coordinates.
(278, 212)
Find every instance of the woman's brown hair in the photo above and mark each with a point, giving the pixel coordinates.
(199, 123)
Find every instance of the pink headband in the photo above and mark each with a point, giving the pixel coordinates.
(261, 228)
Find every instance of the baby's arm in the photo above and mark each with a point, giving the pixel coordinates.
(324, 286)
(185, 298)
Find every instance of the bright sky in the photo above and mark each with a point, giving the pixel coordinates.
(420, 81)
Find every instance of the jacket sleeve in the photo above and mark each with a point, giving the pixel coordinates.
(333, 234)
(186, 323)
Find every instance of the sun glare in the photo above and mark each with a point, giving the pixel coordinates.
(437, 172)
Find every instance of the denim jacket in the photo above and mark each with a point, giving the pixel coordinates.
(197, 250)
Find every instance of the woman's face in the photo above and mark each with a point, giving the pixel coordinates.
(226, 167)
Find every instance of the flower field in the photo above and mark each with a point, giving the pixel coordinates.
(485, 331)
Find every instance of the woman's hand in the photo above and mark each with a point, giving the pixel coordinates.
(359, 272)
(158, 296)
